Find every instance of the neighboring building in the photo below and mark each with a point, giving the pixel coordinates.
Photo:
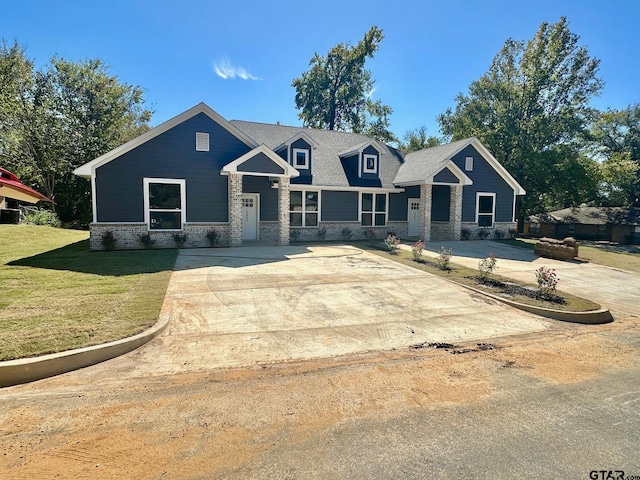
(12, 191)
(614, 224)
(271, 183)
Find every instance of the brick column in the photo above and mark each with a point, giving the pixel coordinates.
(284, 189)
(425, 212)
(235, 209)
(455, 210)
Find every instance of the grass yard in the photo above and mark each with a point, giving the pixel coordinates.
(56, 295)
(602, 255)
(460, 273)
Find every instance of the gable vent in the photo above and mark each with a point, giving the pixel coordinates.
(202, 142)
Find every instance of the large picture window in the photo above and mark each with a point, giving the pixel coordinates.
(485, 209)
(304, 208)
(164, 201)
(373, 209)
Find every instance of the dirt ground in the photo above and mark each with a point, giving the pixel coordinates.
(211, 425)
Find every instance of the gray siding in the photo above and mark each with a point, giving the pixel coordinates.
(260, 164)
(485, 179)
(119, 183)
(339, 206)
(399, 203)
(268, 196)
(440, 200)
(446, 176)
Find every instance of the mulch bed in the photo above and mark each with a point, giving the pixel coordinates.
(513, 289)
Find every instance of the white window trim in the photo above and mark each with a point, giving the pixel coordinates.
(493, 212)
(365, 157)
(202, 142)
(468, 164)
(304, 207)
(373, 211)
(295, 156)
(183, 201)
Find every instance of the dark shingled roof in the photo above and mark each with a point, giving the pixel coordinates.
(591, 216)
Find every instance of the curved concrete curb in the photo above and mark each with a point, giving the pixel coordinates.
(24, 370)
(592, 317)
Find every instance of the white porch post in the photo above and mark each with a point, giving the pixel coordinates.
(284, 188)
(455, 210)
(425, 212)
(235, 209)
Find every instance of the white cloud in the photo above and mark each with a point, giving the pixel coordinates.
(225, 69)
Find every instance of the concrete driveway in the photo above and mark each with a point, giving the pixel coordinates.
(256, 305)
(615, 289)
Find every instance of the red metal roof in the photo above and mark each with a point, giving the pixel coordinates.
(11, 187)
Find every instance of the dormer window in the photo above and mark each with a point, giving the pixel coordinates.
(370, 164)
(300, 158)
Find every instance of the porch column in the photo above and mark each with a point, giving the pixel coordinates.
(235, 209)
(284, 189)
(455, 210)
(425, 212)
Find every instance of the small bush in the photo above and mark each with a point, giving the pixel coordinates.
(180, 239)
(146, 240)
(321, 233)
(499, 234)
(294, 234)
(513, 232)
(443, 259)
(370, 235)
(486, 266)
(346, 233)
(547, 279)
(482, 233)
(465, 233)
(416, 250)
(41, 217)
(392, 243)
(108, 240)
(213, 238)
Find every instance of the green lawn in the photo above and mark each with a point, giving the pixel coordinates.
(56, 295)
(601, 255)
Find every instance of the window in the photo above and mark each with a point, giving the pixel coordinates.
(373, 209)
(165, 203)
(300, 158)
(485, 209)
(602, 231)
(534, 229)
(202, 142)
(370, 164)
(571, 229)
(304, 208)
(468, 164)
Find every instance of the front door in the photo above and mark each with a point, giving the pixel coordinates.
(250, 208)
(413, 216)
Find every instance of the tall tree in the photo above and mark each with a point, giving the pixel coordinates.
(418, 139)
(334, 94)
(67, 114)
(529, 109)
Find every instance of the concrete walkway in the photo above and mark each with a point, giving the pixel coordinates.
(615, 289)
(246, 306)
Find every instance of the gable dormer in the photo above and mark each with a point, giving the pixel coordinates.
(298, 152)
(367, 157)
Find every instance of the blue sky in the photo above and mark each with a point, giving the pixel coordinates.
(432, 49)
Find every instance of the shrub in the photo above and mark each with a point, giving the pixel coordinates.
(487, 266)
(321, 233)
(499, 234)
(180, 239)
(513, 232)
(392, 243)
(41, 217)
(482, 233)
(465, 233)
(416, 250)
(547, 279)
(146, 240)
(443, 259)
(294, 234)
(108, 240)
(370, 235)
(346, 233)
(213, 238)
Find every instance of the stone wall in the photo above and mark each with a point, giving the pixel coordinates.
(333, 231)
(128, 235)
(503, 226)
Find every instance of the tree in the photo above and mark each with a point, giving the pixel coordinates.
(334, 94)
(68, 114)
(418, 139)
(529, 109)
